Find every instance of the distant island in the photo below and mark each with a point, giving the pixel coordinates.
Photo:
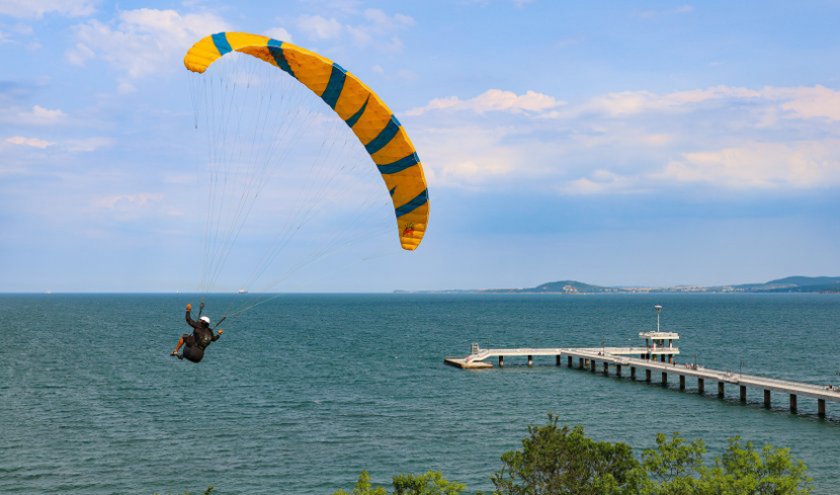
(788, 284)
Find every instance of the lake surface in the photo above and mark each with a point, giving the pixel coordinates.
(303, 392)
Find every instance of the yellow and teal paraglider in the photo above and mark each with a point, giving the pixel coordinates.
(362, 110)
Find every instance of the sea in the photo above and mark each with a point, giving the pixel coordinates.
(304, 392)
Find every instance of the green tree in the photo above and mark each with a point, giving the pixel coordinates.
(558, 460)
(363, 487)
(430, 483)
(563, 461)
(742, 470)
(675, 467)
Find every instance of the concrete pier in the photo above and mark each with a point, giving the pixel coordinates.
(657, 357)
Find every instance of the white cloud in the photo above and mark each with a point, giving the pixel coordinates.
(472, 156)
(86, 145)
(376, 29)
(126, 202)
(799, 165)
(80, 145)
(808, 102)
(30, 142)
(600, 181)
(492, 100)
(40, 116)
(634, 102)
(279, 33)
(381, 21)
(143, 41)
(35, 9)
(319, 27)
(735, 138)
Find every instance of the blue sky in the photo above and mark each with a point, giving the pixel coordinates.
(616, 143)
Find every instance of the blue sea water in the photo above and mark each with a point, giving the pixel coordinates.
(304, 392)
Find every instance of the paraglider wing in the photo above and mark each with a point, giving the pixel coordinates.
(362, 110)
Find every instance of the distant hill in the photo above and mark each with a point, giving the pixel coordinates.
(788, 284)
(562, 287)
(794, 284)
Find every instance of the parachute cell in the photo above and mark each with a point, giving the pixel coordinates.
(373, 123)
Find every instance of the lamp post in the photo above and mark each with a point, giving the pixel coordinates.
(658, 309)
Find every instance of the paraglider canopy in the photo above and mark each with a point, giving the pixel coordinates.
(373, 123)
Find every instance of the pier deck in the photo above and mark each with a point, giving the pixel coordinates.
(617, 357)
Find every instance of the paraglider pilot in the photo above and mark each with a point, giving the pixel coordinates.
(201, 337)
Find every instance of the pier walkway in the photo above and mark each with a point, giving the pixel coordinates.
(619, 359)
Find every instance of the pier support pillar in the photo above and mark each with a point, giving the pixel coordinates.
(793, 403)
(701, 385)
(743, 393)
(821, 408)
(592, 365)
(606, 368)
(632, 372)
(530, 361)
(580, 363)
(682, 382)
(501, 361)
(664, 379)
(766, 398)
(557, 360)
(618, 370)
(647, 375)
(721, 390)
(569, 361)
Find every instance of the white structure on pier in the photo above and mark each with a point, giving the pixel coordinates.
(660, 345)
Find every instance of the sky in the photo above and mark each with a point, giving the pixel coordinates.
(615, 143)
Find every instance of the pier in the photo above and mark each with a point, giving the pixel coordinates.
(655, 361)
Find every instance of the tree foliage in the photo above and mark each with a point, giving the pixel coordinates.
(675, 467)
(430, 483)
(562, 460)
(558, 460)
